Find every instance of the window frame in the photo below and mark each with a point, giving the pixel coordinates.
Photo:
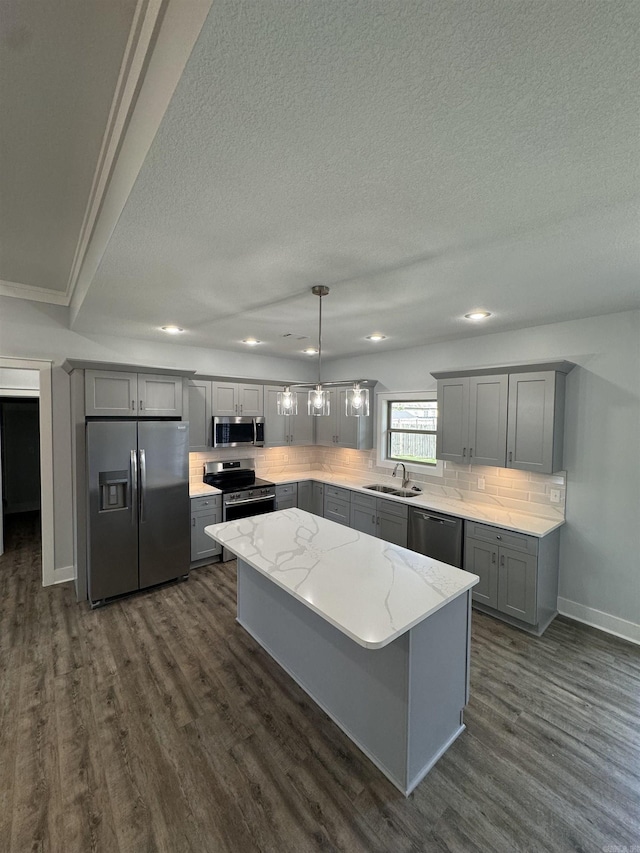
(382, 437)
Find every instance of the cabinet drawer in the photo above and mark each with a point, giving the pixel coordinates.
(337, 492)
(287, 490)
(337, 510)
(503, 538)
(286, 502)
(363, 501)
(209, 502)
(393, 508)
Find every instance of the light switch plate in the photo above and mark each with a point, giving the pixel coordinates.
(555, 496)
(481, 483)
(370, 463)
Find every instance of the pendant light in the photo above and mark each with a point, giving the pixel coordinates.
(357, 401)
(318, 403)
(287, 401)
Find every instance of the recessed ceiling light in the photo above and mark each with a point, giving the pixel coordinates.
(251, 342)
(310, 351)
(376, 337)
(172, 330)
(478, 315)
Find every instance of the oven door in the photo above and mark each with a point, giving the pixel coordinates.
(249, 506)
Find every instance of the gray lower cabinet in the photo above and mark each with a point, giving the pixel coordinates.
(287, 496)
(317, 498)
(305, 495)
(518, 574)
(337, 504)
(204, 511)
(385, 519)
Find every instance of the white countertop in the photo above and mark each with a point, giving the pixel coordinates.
(520, 522)
(369, 589)
(199, 490)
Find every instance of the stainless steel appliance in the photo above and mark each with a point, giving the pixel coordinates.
(236, 432)
(138, 530)
(243, 494)
(436, 535)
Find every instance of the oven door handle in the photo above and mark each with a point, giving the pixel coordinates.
(250, 500)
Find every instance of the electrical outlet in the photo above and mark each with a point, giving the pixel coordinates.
(555, 496)
(481, 483)
(370, 463)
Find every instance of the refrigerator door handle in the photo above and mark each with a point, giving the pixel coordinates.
(143, 483)
(133, 464)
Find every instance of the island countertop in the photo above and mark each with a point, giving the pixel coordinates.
(368, 589)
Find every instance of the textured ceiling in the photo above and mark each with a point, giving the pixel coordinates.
(421, 158)
(59, 62)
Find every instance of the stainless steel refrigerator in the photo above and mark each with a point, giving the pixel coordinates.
(138, 474)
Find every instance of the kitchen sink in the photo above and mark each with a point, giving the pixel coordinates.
(390, 490)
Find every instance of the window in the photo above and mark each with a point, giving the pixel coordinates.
(411, 431)
(407, 425)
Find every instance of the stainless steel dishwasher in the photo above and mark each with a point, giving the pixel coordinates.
(436, 535)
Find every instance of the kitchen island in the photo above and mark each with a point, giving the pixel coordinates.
(376, 634)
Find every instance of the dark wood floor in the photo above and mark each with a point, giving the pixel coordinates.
(157, 724)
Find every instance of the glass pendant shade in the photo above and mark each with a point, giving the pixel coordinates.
(287, 402)
(357, 401)
(318, 403)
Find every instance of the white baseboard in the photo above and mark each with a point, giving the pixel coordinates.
(63, 574)
(598, 619)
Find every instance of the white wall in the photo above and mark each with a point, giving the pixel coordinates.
(38, 330)
(600, 544)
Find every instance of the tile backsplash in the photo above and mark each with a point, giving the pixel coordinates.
(522, 491)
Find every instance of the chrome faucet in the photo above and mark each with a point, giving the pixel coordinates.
(405, 479)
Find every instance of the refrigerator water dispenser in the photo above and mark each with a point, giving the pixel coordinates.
(113, 490)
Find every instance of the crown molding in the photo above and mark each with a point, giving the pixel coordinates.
(35, 294)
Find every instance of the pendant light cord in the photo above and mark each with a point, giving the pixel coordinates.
(320, 340)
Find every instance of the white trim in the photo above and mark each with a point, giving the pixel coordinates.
(64, 574)
(46, 460)
(160, 42)
(382, 398)
(599, 619)
(33, 393)
(35, 294)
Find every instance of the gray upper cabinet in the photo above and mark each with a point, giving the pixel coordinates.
(282, 430)
(339, 430)
(114, 393)
(199, 414)
(536, 421)
(472, 419)
(509, 417)
(237, 398)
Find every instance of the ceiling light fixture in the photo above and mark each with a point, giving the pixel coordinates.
(251, 342)
(376, 337)
(171, 330)
(318, 399)
(478, 315)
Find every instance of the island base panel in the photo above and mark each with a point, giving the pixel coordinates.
(369, 693)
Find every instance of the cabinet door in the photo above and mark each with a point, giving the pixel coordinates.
(305, 495)
(452, 438)
(276, 427)
(337, 510)
(481, 558)
(224, 399)
(199, 402)
(325, 426)
(289, 502)
(202, 545)
(301, 426)
(317, 491)
(392, 528)
(363, 519)
(109, 392)
(531, 421)
(517, 585)
(159, 396)
(251, 400)
(488, 420)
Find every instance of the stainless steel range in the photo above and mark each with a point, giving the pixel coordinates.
(243, 494)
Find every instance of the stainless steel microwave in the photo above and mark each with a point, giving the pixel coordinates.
(238, 432)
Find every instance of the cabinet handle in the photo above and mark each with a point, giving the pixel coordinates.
(141, 405)
(498, 536)
(133, 405)
(470, 452)
(464, 452)
(240, 408)
(493, 557)
(378, 520)
(193, 522)
(373, 519)
(236, 407)
(502, 560)
(510, 456)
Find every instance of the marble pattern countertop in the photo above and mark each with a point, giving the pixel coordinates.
(200, 490)
(369, 589)
(520, 522)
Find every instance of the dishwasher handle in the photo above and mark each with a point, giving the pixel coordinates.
(438, 520)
